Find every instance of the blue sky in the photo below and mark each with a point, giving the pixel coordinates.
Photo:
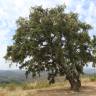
(10, 10)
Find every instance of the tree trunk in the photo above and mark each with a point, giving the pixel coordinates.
(75, 83)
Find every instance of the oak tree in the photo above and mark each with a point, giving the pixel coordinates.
(54, 41)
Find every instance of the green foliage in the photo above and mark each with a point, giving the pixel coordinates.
(53, 41)
(93, 78)
(94, 50)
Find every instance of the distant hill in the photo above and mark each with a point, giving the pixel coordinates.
(18, 76)
(7, 76)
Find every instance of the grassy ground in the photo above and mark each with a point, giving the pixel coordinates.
(43, 88)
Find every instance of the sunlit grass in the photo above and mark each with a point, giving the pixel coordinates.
(28, 88)
(93, 78)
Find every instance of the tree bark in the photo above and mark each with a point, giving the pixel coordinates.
(75, 83)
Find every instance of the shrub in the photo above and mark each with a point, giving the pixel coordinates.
(93, 78)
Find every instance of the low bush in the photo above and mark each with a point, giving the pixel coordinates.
(93, 78)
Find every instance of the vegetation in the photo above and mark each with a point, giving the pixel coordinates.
(54, 41)
(31, 85)
(93, 78)
(42, 88)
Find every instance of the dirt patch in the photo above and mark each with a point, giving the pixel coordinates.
(88, 89)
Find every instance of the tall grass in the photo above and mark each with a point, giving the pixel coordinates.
(36, 85)
(93, 78)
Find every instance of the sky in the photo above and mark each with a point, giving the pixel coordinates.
(11, 10)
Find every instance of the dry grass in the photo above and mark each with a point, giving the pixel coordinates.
(43, 89)
(12, 87)
(36, 85)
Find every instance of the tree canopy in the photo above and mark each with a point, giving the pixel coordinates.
(54, 41)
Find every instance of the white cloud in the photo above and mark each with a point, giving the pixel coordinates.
(86, 11)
